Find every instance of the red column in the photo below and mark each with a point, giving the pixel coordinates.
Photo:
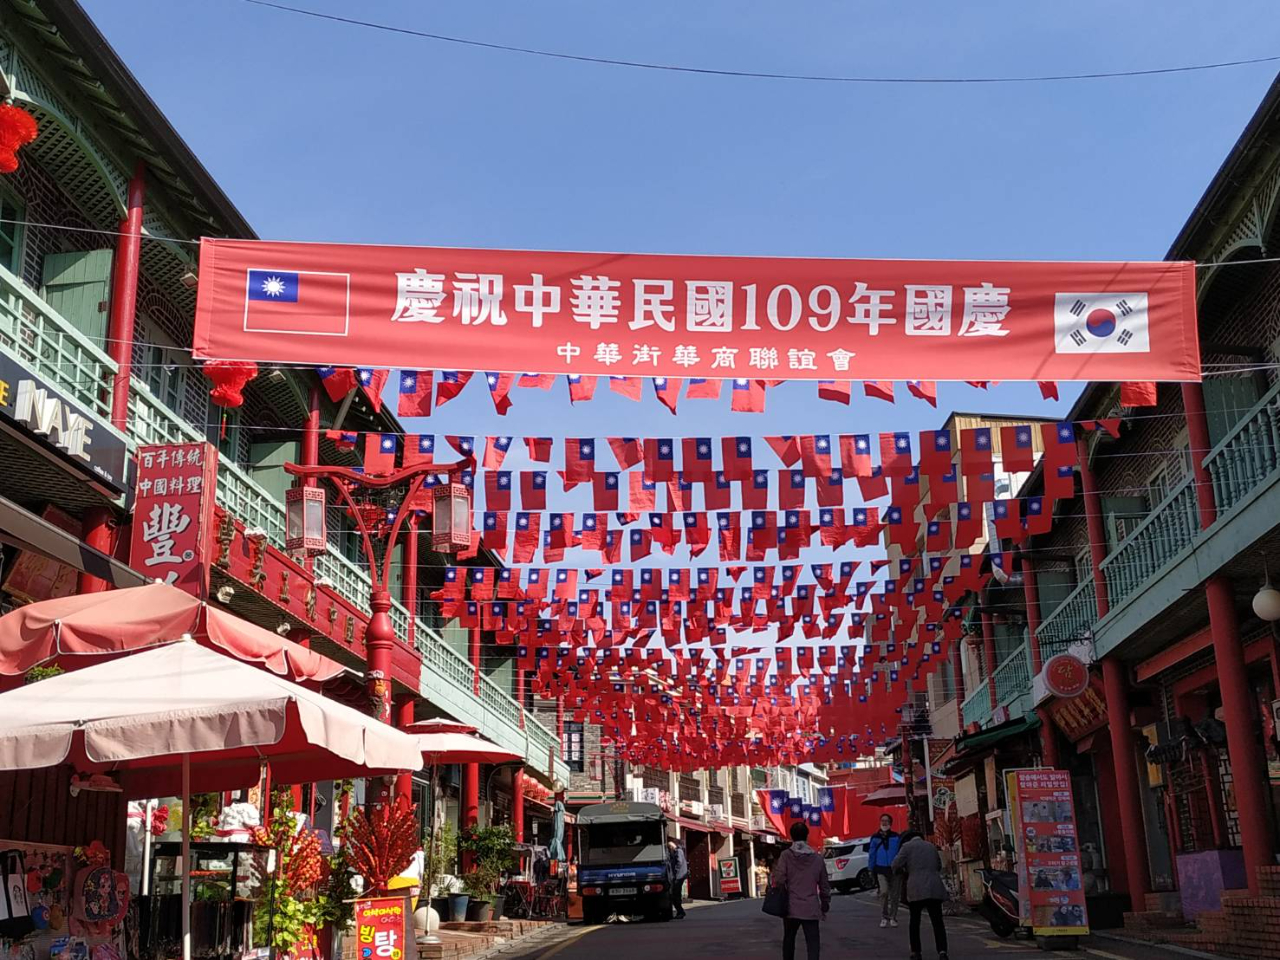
(311, 433)
(379, 642)
(404, 718)
(1116, 682)
(124, 298)
(957, 668)
(989, 655)
(470, 804)
(409, 585)
(517, 805)
(1093, 521)
(95, 530)
(1238, 707)
(1198, 441)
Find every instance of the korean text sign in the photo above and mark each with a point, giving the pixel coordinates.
(1050, 884)
(382, 928)
(736, 318)
(173, 513)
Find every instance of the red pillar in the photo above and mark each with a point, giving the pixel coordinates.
(1116, 683)
(404, 718)
(95, 530)
(470, 804)
(1093, 521)
(124, 298)
(517, 805)
(311, 434)
(1198, 441)
(957, 668)
(989, 655)
(1238, 707)
(409, 585)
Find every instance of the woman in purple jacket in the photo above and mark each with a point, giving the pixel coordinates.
(802, 873)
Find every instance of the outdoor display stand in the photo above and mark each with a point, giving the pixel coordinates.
(226, 883)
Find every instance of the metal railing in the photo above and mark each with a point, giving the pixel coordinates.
(1162, 534)
(1071, 620)
(1013, 676)
(1249, 455)
(977, 706)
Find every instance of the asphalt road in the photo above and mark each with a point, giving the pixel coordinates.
(739, 930)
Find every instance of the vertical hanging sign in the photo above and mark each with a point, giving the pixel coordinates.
(173, 514)
(1050, 886)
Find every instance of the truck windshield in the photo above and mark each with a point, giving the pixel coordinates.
(608, 843)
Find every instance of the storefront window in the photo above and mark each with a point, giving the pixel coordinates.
(1093, 853)
(573, 750)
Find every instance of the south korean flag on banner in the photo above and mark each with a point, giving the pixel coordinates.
(1101, 323)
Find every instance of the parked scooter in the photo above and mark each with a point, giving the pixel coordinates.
(999, 905)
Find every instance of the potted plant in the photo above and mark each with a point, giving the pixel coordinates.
(492, 852)
(441, 854)
(479, 888)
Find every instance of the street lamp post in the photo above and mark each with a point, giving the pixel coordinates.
(380, 506)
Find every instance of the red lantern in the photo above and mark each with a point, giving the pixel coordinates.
(229, 379)
(17, 128)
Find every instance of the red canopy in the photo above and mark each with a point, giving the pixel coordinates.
(135, 618)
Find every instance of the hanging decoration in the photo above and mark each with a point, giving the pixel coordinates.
(17, 129)
(229, 377)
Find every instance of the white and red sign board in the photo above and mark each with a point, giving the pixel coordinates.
(1050, 882)
(736, 318)
(730, 882)
(1066, 675)
(173, 513)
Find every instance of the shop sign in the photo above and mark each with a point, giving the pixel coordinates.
(1083, 714)
(747, 318)
(67, 428)
(1050, 885)
(1066, 676)
(173, 513)
(692, 808)
(967, 795)
(383, 928)
(730, 882)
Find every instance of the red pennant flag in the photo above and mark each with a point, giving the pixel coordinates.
(419, 448)
(1008, 520)
(696, 533)
(337, 381)
(640, 543)
(935, 452)
(494, 535)
(342, 439)
(499, 385)
(628, 387)
(679, 494)
(667, 390)
(1059, 481)
(451, 384)
(831, 489)
(975, 451)
(533, 489)
(1015, 448)
(968, 524)
(579, 459)
(643, 494)
(497, 490)
(837, 391)
(604, 488)
(925, 390)
(895, 454)
(879, 389)
(379, 453)
(413, 398)
(495, 451)
(815, 456)
(466, 446)
(372, 383)
(659, 459)
(539, 448)
(528, 537)
(873, 487)
(696, 465)
(855, 454)
(730, 527)
(1109, 424)
(787, 449)
(627, 451)
(747, 396)
(864, 526)
(1059, 444)
(538, 381)
(1138, 394)
(717, 492)
(736, 452)
(1048, 389)
(581, 387)
(702, 390)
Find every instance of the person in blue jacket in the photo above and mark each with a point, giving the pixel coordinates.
(884, 847)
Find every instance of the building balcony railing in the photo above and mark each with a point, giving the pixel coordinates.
(1070, 621)
(1249, 456)
(977, 706)
(1013, 679)
(45, 342)
(1162, 535)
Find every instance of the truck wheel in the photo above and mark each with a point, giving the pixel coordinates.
(591, 914)
(660, 909)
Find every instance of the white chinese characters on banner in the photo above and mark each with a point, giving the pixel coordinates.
(173, 513)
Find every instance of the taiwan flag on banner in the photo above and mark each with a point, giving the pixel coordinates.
(747, 396)
(414, 395)
(1015, 448)
(297, 301)
(379, 452)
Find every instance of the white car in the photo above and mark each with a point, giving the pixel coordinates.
(846, 863)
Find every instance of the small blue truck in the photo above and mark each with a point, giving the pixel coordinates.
(622, 861)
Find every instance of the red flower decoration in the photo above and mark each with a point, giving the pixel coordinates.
(17, 128)
(229, 379)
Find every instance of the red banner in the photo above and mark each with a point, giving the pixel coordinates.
(740, 318)
(1051, 887)
(173, 513)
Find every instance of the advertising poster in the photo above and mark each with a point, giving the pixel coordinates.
(729, 881)
(1049, 883)
(383, 928)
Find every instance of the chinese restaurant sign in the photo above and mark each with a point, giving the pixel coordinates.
(1050, 887)
(173, 513)
(648, 315)
(382, 928)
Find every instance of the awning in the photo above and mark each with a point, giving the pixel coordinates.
(693, 824)
(971, 747)
(23, 529)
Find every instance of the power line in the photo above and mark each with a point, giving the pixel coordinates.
(749, 74)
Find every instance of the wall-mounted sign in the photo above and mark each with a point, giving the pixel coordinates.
(1080, 716)
(173, 513)
(1066, 676)
(61, 425)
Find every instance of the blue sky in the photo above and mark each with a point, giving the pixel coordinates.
(320, 131)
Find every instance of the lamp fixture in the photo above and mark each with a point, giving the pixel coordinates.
(1266, 602)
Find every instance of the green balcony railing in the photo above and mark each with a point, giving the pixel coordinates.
(1249, 455)
(977, 706)
(1161, 536)
(40, 338)
(1013, 679)
(1071, 620)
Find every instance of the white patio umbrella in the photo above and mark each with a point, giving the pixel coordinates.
(163, 716)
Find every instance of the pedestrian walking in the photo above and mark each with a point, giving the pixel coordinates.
(801, 871)
(678, 867)
(920, 861)
(884, 847)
